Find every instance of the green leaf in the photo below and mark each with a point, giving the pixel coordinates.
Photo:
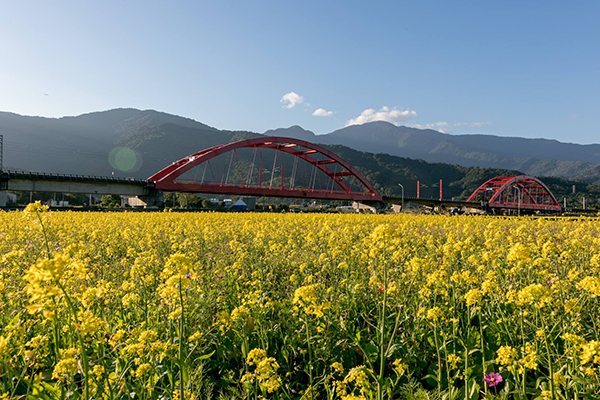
(206, 356)
(474, 392)
(392, 349)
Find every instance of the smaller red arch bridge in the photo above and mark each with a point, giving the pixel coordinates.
(267, 166)
(521, 192)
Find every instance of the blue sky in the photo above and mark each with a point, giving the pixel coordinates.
(509, 68)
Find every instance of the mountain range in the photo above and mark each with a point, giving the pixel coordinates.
(386, 154)
(537, 157)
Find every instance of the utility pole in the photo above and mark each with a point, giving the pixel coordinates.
(402, 196)
(440, 190)
(519, 201)
(418, 190)
(3, 196)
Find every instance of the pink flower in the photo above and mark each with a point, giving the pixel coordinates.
(493, 379)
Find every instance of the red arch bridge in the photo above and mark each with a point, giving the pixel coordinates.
(521, 192)
(267, 166)
(276, 167)
(503, 194)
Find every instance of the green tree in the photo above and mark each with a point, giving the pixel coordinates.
(206, 203)
(110, 201)
(187, 200)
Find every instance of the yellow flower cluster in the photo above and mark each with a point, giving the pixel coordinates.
(3, 347)
(591, 284)
(590, 352)
(265, 372)
(357, 385)
(36, 207)
(66, 368)
(509, 357)
(506, 355)
(536, 295)
(306, 297)
(434, 314)
(43, 279)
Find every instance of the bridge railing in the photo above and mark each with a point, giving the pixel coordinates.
(70, 177)
(264, 186)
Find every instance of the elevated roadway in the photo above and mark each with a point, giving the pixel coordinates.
(434, 202)
(19, 181)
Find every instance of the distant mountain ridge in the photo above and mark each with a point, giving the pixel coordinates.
(532, 156)
(81, 144)
(384, 153)
(571, 161)
(296, 132)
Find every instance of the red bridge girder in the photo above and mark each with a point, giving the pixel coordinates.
(512, 192)
(338, 171)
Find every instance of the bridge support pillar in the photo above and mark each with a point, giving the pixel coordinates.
(153, 199)
(373, 206)
(3, 198)
(364, 207)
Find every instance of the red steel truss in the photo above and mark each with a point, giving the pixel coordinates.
(516, 192)
(312, 172)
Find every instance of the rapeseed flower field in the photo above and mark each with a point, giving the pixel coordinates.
(250, 306)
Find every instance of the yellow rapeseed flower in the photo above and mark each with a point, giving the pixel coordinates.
(590, 352)
(265, 370)
(591, 284)
(3, 347)
(506, 355)
(36, 207)
(434, 314)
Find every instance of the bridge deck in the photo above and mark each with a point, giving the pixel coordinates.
(432, 202)
(5, 175)
(60, 183)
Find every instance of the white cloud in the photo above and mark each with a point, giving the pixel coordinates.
(290, 99)
(476, 124)
(392, 115)
(438, 126)
(443, 125)
(321, 112)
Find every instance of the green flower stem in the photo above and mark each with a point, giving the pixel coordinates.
(439, 359)
(550, 364)
(523, 344)
(181, 347)
(382, 337)
(49, 255)
(391, 341)
(467, 360)
(482, 346)
(81, 343)
(310, 373)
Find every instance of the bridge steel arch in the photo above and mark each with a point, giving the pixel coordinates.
(524, 192)
(338, 171)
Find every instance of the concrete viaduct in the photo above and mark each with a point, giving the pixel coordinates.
(84, 184)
